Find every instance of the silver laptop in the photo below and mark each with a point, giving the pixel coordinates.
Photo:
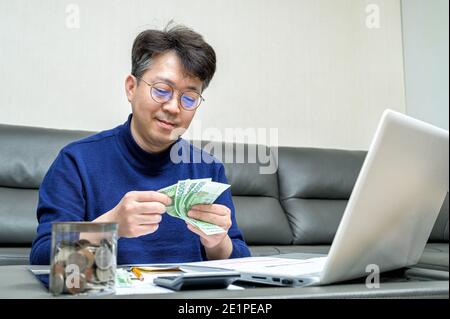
(390, 214)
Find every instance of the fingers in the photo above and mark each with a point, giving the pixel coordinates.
(212, 208)
(131, 229)
(207, 217)
(215, 214)
(148, 219)
(147, 213)
(196, 231)
(131, 220)
(136, 208)
(221, 221)
(148, 196)
(150, 208)
(140, 212)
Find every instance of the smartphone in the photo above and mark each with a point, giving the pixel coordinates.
(192, 281)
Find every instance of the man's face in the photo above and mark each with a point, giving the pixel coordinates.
(154, 125)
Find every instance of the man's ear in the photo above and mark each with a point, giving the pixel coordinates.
(130, 87)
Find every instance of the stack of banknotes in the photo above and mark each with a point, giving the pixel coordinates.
(189, 192)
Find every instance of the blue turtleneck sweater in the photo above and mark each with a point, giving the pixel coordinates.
(89, 177)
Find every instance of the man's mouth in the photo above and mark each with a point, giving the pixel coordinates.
(166, 124)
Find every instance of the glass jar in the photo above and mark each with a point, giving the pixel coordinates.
(84, 258)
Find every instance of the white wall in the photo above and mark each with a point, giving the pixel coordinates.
(425, 40)
(311, 68)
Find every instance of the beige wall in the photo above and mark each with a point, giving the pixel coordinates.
(311, 68)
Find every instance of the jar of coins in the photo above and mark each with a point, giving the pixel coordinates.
(84, 258)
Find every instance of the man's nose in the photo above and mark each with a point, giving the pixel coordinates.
(171, 106)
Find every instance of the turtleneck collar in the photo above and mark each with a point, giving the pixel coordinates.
(141, 159)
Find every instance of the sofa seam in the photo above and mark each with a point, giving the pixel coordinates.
(282, 207)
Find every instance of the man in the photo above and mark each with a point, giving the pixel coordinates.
(113, 176)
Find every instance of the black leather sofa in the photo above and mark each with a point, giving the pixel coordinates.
(295, 209)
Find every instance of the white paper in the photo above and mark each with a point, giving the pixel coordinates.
(269, 265)
(146, 286)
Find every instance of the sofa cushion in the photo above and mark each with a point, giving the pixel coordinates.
(313, 173)
(435, 256)
(262, 220)
(315, 185)
(314, 221)
(18, 220)
(27, 153)
(262, 250)
(14, 256)
(271, 250)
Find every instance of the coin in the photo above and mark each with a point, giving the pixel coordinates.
(76, 283)
(77, 258)
(90, 257)
(104, 275)
(106, 243)
(63, 253)
(82, 243)
(57, 283)
(92, 249)
(58, 268)
(82, 264)
(103, 258)
(89, 274)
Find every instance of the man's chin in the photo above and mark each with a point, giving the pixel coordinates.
(166, 138)
(174, 134)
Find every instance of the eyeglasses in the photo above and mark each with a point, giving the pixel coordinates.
(162, 92)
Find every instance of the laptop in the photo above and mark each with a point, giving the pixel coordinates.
(389, 216)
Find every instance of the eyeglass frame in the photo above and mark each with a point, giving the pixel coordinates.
(202, 99)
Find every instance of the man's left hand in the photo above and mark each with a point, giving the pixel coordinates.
(216, 214)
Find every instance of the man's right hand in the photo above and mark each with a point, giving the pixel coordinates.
(138, 213)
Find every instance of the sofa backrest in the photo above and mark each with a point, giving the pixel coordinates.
(26, 153)
(315, 185)
(300, 203)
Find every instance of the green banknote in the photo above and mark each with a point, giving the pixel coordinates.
(179, 195)
(192, 188)
(189, 192)
(170, 191)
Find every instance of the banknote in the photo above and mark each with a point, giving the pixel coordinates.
(187, 193)
(170, 191)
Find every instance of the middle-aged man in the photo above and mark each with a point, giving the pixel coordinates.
(113, 176)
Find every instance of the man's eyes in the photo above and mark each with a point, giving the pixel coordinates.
(188, 98)
(161, 91)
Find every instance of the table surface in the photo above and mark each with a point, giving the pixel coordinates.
(19, 282)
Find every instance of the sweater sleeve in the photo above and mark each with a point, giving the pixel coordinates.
(240, 248)
(61, 198)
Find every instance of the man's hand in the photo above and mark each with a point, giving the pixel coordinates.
(217, 246)
(138, 213)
